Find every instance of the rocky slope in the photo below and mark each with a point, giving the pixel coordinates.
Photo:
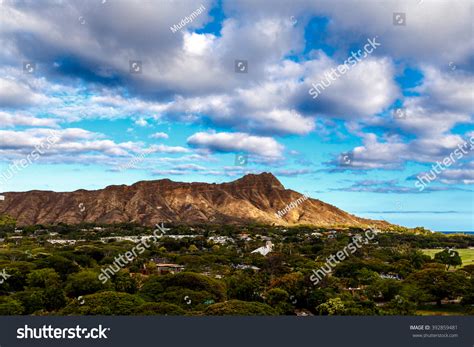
(250, 198)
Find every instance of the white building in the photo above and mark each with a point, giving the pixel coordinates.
(265, 249)
(64, 242)
(247, 267)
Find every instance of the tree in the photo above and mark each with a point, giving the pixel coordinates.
(400, 305)
(468, 298)
(279, 300)
(7, 221)
(186, 298)
(448, 257)
(366, 276)
(332, 307)
(159, 309)
(316, 297)
(54, 298)
(240, 308)
(43, 278)
(242, 287)
(417, 258)
(151, 267)
(16, 281)
(157, 285)
(440, 284)
(31, 300)
(10, 306)
(60, 264)
(193, 248)
(85, 282)
(104, 303)
(123, 282)
(384, 289)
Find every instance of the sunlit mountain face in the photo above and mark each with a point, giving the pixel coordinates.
(367, 107)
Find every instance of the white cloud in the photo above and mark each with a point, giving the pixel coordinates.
(15, 94)
(457, 176)
(72, 142)
(237, 142)
(190, 77)
(141, 122)
(367, 88)
(168, 149)
(449, 90)
(436, 31)
(198, 44)
(391, 153)
(159, 135)
(12, 120)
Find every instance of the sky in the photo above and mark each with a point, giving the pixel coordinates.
(349, 102)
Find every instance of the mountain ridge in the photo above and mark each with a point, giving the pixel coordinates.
(251, 198)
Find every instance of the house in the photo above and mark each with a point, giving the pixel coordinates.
(265, 249)
(245, 237)
(165, 268)
(247, 267)
(221, 239)
(63, 242)
(390, 276)
(134, 239)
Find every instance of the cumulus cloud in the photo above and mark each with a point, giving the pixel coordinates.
(392, 153)
(188, 77)
(430, 25)
(75, 145)
(141, 122)
(462, 174)
(12, 120)
(15, 94)
(159, 135)
(365, 89)
(237, 142)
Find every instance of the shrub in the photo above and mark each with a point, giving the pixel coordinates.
(240, 308)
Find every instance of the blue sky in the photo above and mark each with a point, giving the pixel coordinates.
(360, 144)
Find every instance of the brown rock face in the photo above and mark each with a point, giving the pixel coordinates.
(252, 198)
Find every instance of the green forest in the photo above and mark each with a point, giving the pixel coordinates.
(213, 270)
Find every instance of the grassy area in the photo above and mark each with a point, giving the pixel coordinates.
(467, 255)
(443, 310)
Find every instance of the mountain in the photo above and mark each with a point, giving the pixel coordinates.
(248, 199)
